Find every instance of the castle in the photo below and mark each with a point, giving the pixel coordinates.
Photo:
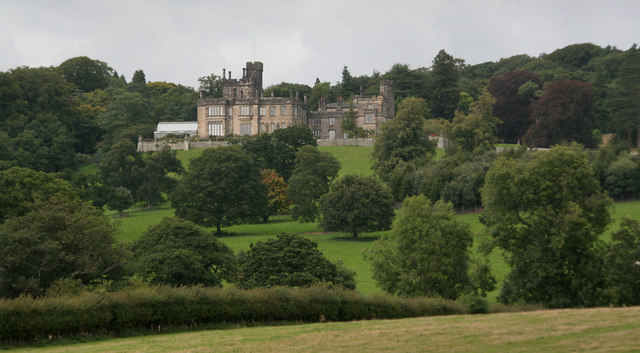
(243, 110)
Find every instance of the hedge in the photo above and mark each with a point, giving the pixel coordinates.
(25, 319)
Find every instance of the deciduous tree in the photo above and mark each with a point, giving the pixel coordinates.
(180, 253)
(311, 179)
(222, 187)
(546, 212)
(425, 254)
(289, 260)
(564, 113)
(277, 200)
(402, 139)
(512, 105)
(59, 238)
(356, 204)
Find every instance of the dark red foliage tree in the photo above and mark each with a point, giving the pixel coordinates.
(564, 113)
(512, 103)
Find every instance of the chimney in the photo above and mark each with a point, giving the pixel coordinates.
(229, 74)
(244, 73)
(224, 73)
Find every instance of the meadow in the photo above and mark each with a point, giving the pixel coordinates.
(572, 330)
(336, 246)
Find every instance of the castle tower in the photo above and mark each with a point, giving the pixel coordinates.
(247, 87)
(387, 91)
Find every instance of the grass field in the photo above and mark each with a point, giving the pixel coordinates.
(335, 246)
(575, 330)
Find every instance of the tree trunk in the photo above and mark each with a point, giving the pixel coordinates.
(218, 229)
(638, 136)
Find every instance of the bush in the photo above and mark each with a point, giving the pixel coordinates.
(476, 304)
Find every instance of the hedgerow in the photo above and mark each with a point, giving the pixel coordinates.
(24, 320)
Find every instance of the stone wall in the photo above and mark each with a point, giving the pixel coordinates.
(181, 145)
(346, 142)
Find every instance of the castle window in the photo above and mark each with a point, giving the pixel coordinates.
(283, 125)
(215, 111)
(273, 127)
(332, 121)
(295, 111)
(369, 118)
(215, 128)
(283, 110)
(317, 133)
(272, 111)
(332, 134)
(229, 112)
(370, 106)
(317, 121)
(245, 110)
(263, 111)
(245, 129)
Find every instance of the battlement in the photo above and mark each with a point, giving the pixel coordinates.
(249, 86)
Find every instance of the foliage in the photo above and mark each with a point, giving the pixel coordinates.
(45, 144)
(356, 204)
(402, 139)
(221, 187)
(513, 103)
(407, 82)
(21, 187)
(622, 177)
(475, 131)
(26, 319)
(277, 202)
(426, 252)
(564, 113)
(118, 166)
(60, 238)
(289, 260)
(180, 253)
(85, 73)
(278, 150)
(210, 86)
(624, 103)
(314, 171)
(286, 89)
(546, 212)
(120, 199)
(623, 263)
(443, 85)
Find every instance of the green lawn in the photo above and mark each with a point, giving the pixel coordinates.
(335, 246)
(353, 159)
(575, 330)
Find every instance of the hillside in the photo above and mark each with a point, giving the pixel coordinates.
(593, 330)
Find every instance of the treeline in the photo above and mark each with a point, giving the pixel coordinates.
(52, 118)
(546, 211)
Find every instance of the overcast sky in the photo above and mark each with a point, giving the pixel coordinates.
(299, 40)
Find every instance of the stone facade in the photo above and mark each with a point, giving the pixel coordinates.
(243, 110)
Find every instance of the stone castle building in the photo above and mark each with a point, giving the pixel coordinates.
(243, 110)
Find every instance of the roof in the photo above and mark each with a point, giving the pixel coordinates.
(179, 126)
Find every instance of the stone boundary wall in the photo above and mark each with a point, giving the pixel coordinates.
(187, 144)
(183, 145)
(346, 142)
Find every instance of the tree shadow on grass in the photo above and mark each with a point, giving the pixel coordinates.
(349, 238)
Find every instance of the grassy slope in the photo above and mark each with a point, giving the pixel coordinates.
(593, 330)
(336, 246)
